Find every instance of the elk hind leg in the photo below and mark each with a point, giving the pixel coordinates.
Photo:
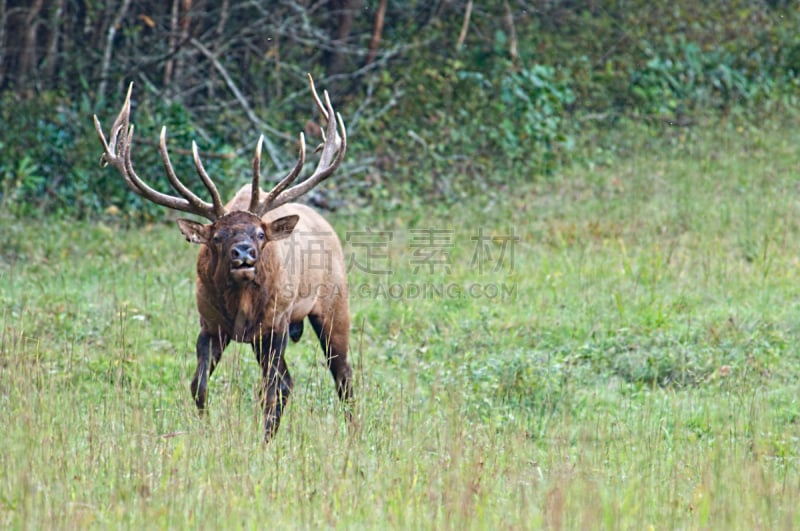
(296, 330)
(334, 341)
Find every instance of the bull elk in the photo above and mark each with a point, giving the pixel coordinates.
(253, 285)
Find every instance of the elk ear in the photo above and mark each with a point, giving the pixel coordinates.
(194, 232)
(282, 227)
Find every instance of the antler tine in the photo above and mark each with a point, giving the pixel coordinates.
(329, 148)
(117, 153)
(121, 121)
(122, 134)
(269, 200)
(323, 109)
(255, 186)
(173, 178)
(219, 209)
(142, 188)
(324, 169)
(314, 94)
(260, 208)
(119, 127)
(333, 150)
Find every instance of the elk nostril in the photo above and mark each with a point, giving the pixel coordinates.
(244, 252)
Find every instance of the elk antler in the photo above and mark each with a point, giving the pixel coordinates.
(333, 149)
(120, 157)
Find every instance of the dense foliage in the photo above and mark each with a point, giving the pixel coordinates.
(441, 98)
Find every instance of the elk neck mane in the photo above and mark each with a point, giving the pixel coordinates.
(239, 309)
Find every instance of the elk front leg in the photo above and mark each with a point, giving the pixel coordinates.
(276, 384)
(209, 351)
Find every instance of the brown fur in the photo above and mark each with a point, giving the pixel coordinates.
(299, 272)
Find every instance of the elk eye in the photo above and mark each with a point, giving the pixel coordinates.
(261, 235)
(217, 239)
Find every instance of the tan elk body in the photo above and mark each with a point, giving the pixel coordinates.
(265, 264)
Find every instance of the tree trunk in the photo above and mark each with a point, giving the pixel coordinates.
(219, 34)
(169, 64)
(377, 32)
(512, 32)
(27, 60)
(464, 26)
(3, 22)
(184, 22)
(112, 31)
(51, 57)
(341, 21)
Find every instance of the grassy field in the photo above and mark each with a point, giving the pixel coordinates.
(613, 347)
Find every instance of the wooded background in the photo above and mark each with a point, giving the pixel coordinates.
(441, 98)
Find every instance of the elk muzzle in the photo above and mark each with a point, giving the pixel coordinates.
(243, 258)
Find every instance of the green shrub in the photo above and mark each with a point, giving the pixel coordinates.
(682, 77)
(525, 114)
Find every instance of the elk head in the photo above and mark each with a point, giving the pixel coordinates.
(236, 242)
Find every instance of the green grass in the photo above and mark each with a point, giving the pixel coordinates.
(633, 367)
